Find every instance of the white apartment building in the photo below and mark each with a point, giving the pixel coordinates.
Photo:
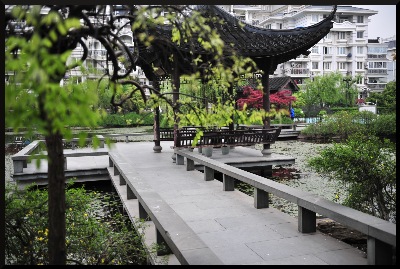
(346, 48)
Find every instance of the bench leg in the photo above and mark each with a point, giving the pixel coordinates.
(228, 183)
(163, 248)
(121, 180)
(378, 252)
(261, 198)
(129, 193)
(179, 159)
(189, 164)
(18, 166)
(307, 220)
(142, 213)
(208, 173)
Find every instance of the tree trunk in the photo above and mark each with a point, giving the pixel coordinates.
(56, 190)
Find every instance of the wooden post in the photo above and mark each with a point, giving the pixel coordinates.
(266, 105)
(157, 145)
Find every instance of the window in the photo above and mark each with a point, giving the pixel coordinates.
(314, 65)
(360, 50)
(341, 66)
(314, 17)
(360, 19)
(360, 34)
(359, 80)
(279, 25)
(360, 65)
(315, 49)
(341, 35)
(341, 50)
(327, 66)
(268, 26)
(327, 50)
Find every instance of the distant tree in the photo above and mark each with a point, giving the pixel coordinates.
(387, 98)
(329, 90)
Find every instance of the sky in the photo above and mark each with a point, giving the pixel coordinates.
(383, 24)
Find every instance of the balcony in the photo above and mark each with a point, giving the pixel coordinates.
(376, 56)
(299, 71)
(376, 86)
(377, 71)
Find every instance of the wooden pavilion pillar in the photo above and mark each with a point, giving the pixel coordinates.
(156, 128)
(230, 92)
(175, 79)
(266, 67)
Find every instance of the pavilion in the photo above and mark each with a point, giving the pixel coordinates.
(266, 47)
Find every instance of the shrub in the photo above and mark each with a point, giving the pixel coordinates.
(129, 119)
(384, 125)
(367, 168)
(340, 124)
(95, 235)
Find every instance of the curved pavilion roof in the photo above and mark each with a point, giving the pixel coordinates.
(264, 46)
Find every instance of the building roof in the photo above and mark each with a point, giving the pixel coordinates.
(275, 84)
(260, 44)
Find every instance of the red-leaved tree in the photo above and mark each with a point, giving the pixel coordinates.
(253, 98)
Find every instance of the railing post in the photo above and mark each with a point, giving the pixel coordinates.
(228, 183)
(261, 198)
(307, 220)
(116, 171)
(378, 252)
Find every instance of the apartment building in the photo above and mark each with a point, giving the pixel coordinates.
(346, 48)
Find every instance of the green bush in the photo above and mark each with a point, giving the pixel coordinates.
(129, 119)
(95, 234)
(384, 125)
(367, 168)
(341, 125)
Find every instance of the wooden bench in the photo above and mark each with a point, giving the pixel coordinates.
(223, 137)
(381, 233)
